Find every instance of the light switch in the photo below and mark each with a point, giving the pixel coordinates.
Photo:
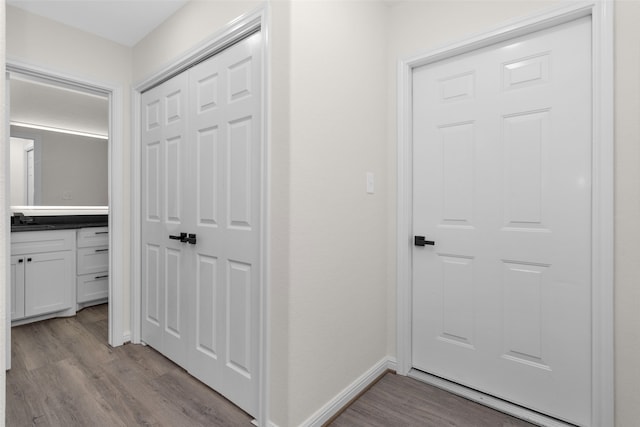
(370, 183)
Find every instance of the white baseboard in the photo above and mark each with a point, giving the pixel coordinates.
(336, 404)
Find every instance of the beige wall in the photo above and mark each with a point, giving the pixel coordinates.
(195, 22)
(627, 213)
(338, 282)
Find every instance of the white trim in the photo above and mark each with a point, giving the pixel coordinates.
(342, 399)
(116, 187)
(603, 275)
(60, 210)
(265, 221)
(603, 185)
(135, 203)
(58, 130)
(236, 30)
(231, 33)
(116, 218)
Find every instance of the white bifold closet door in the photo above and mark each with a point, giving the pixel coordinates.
(201, 176)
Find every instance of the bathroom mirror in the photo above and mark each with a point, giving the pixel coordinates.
(58, 145)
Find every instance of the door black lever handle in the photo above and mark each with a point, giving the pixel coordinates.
(182, 237)
(191, 239)
(420, 241)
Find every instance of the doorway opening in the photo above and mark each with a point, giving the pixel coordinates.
(101, 139)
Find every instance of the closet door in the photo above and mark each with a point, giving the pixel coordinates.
(201, 169)
(224, 132)
(166, 273)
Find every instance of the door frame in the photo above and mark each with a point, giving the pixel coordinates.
(231, 33)
(116, 334)
(602, 207)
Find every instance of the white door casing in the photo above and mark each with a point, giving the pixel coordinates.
(502, 183)
(117, 335)
(601, 270)
(201, 175)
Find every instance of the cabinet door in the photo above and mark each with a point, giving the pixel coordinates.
(17, 287)
(49, 280)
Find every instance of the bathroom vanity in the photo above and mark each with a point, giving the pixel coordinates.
(58, 266)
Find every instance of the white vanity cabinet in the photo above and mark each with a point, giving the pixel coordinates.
(43, 267)
(92, 266)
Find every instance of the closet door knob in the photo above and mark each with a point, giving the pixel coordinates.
(182, 237)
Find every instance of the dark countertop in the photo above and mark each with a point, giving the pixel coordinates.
(55, 222)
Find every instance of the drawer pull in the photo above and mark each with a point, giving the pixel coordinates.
(101, 277)
(102, 232)
(102, 250)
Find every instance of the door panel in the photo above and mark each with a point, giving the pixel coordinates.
(164, 168)
(225, 123)
(47, 277)
(502, 183)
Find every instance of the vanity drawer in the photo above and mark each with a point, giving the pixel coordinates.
(28, 242)
(91, 287)
(93, 260)
(93, 236)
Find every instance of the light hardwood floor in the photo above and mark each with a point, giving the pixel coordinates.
(403, 401)
(65, 374)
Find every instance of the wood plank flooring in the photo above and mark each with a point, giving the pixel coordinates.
(402, 401)
(65, 374)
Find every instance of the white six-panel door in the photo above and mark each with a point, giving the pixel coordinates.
(201, 175)
(225, 162)
(502, 185)
(165, 299)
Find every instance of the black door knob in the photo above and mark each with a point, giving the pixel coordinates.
(182, 237)
(420, 241)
